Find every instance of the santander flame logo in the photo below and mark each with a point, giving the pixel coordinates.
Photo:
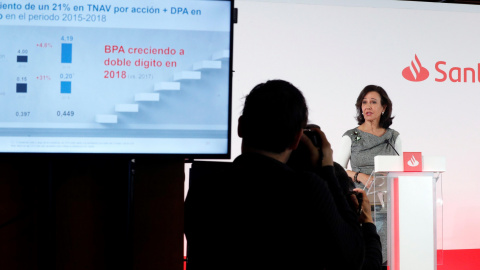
(415, 72)
(413, 162)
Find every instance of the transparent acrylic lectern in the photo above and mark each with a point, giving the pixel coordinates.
(407, 203)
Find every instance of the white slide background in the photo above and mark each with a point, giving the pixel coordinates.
(332, 52)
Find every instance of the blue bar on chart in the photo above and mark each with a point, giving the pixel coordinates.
(66, 53)
(22, 59)
(21, 88)
(65, 87)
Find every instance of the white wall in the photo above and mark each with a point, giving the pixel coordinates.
(332, 52)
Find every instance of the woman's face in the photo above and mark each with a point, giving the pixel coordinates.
(372, 107)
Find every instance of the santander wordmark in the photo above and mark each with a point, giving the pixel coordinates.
(417, 73)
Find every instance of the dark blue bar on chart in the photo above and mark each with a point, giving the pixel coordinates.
(22, 58)
(21, 88)
(66, 87)
(66, 53)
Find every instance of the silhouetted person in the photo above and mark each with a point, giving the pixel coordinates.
(265, 214)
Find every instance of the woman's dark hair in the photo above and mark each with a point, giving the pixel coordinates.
(386, 118)
(273, 114)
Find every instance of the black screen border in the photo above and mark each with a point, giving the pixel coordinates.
(162, 156)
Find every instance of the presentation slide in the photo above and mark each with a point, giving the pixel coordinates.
(115, 76)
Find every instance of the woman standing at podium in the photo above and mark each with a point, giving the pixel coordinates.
(372, 137)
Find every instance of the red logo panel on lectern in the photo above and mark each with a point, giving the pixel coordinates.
(412, 162)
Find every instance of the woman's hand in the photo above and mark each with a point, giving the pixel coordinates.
(361, 177)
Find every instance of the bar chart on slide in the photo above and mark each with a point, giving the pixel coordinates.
(42, 70)
(49, 54)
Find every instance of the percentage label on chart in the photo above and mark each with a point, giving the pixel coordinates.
(44, 45)
(43, 78)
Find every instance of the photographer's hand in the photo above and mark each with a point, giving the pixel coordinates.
(366, 211)
(326, 147)
(313, 154)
